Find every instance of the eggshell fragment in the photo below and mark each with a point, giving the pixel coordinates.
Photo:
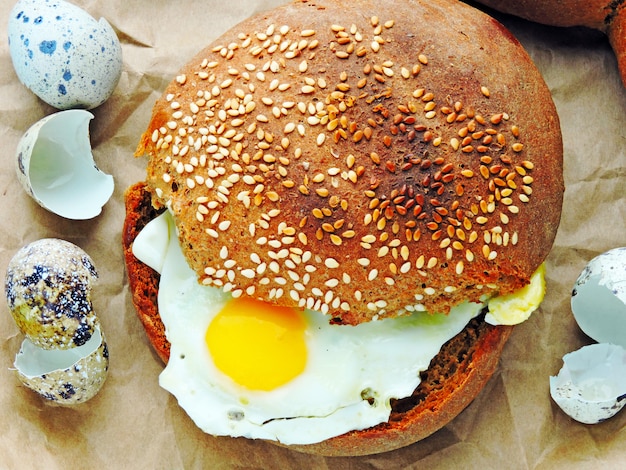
(591, 385)
(56, 167)
(599, 298)
(48, 290)
(62, 54)
(67, 376)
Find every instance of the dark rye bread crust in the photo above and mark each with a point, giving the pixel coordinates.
(598, 14)
(455, 376)
(324, 153)
(143, 280)
(608, 16)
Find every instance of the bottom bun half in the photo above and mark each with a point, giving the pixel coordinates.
(454, 378)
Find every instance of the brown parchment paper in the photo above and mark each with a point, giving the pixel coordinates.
(132, 423)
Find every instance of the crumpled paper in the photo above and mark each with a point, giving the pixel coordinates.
(133, 423)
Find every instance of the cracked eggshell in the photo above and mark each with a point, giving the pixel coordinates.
(599, 298)
(62, 54)
(66, 377)
(48, 289)
(591, 385)
(55, 166)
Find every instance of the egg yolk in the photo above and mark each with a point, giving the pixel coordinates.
(258, 345)
(516, 307)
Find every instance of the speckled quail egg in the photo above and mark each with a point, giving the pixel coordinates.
(56, 168)
(62, 54)
(599, 298)
(591, 386)
(48, 289)
(64, 356)
(65, 376)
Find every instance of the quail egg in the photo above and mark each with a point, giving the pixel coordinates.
(48, 290)
(62, 54)
(591, 386)
(56, 168)
(64, 356)
(599, 298)
(65, 376)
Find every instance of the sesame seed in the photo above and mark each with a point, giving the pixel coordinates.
(459, 267)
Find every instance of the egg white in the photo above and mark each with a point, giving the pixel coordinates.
(345, 364)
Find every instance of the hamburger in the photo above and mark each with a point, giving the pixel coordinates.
(371, 166)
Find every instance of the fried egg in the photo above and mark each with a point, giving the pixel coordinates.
(241, 367)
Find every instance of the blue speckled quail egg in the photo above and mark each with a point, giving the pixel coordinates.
(48, 289)
(599, 298)
(55, 166)
(62, 54)
(65, 376)
(591, 386)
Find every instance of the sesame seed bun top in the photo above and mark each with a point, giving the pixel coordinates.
(362, 158)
